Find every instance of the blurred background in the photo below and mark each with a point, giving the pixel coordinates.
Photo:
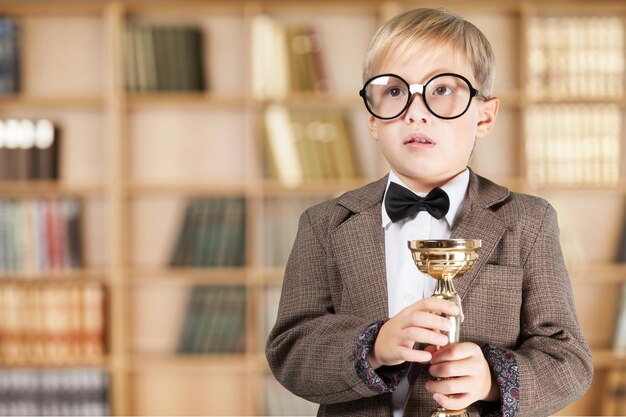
(155, 157)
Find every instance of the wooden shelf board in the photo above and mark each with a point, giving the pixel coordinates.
(598, 273)
(322, 100)
(308, 188)
(136, 101)
(619, 188)
(608, 358)
(54, 8)
(528, 101)
(187, 276)
(205, 363)
(25, 101)
(102, 363)
(204, 189)
(45, 277)
(33, 188)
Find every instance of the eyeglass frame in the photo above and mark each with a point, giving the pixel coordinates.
(421, 88)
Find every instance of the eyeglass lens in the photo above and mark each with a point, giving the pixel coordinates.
(445, 96)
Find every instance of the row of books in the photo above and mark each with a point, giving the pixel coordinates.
(29, 149)
(9, 56)
(573, 57)
(40, 235)
(51, 324)
(304, 145)
(214, 321)
(164, 58)
(213, 233)
(286, 58)
(572, 145)
(58, 392)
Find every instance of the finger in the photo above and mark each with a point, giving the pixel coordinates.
(450, 386)
(438, 306)
(453, 402)
(426, 336)
(456, 352)
(427, 320)
(454, 369)
(414, 355)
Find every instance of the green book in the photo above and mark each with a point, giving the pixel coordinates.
(192, 319)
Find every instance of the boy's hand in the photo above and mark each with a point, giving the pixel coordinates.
(471, 376)
(417, 323)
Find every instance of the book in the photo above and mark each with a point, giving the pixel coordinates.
(309, 146)
(164, 58)
(29, 150)
(38, 235)
(573, 144)
(9, 56)
(212, 233)
(46, 151)
(575, 57)
(282, 146)
(286, 58)
(56, 324)
(56, 392)
(214, 321)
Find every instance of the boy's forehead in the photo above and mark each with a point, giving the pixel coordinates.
(428, 55)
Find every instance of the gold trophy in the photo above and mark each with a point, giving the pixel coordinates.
(444, 260)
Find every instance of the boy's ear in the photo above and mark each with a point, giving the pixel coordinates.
(371, 125)
(488, 111)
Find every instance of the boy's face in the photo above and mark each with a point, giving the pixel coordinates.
(422, 149)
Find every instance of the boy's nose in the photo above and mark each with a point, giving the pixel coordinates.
(417, 112)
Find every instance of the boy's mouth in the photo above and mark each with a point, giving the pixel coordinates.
(418, 138)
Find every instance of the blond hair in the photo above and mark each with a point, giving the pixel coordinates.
(439, 27)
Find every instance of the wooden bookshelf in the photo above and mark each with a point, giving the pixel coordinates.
(136, 158)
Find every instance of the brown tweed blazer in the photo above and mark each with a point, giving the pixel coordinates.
(517, 297)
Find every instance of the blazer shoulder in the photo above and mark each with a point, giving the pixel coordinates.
(526, 205)
(332, 213)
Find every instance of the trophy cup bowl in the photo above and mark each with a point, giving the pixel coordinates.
(444, 260)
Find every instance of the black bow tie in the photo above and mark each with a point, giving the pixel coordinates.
(401, 202)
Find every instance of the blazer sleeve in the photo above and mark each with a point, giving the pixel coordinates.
(311, 348)
(555, 365)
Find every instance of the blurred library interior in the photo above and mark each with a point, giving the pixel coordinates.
(155, 157)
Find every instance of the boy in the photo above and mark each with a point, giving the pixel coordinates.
(355, 313)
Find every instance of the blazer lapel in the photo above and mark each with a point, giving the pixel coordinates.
(476, 220)
(359, 249)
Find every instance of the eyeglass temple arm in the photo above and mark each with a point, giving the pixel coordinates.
(480, 95)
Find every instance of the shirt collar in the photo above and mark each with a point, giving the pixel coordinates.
(456, 189)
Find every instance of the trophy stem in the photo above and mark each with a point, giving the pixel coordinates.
(445, 290)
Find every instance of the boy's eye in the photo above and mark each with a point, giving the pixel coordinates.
(395, 92)
(442, 90)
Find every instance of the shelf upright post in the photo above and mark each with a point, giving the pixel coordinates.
(118, 244)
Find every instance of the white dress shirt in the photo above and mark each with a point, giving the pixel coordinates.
(405, 284)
